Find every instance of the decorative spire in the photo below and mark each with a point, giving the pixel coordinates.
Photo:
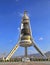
(25, 15)
(25, 12)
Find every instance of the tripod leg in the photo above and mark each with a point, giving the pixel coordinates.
(12, 52)
(34, 44)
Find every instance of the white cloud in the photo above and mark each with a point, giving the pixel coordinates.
(10, 40)
(28, 14)
(41, 38)
(20, 14)
(18, 29)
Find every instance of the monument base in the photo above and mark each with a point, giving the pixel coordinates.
(25, 59)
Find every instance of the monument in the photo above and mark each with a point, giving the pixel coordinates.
(25, 39)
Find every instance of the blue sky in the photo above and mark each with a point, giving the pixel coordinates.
(11, 12)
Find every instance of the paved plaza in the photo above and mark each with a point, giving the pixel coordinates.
(24, 63)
